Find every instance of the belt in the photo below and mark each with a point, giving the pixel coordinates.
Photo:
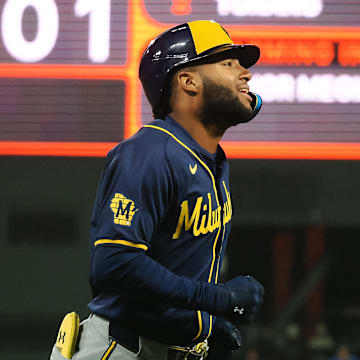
(125, 337)
(197, 352)
(131, 341)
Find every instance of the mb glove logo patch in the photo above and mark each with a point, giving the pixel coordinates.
(123, 209)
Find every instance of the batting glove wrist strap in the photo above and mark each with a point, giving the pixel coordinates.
(217, 297)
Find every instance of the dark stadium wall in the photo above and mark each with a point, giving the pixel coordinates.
(46, 205)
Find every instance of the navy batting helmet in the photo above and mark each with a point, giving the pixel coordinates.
(189, 44)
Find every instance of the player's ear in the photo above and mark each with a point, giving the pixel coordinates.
(189, 81)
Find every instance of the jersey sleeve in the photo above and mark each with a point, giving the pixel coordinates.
(132, 198)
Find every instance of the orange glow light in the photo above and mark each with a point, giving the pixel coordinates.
(55, 71)
(233, 150)
(294, 52)
(292, 150)
(349, 53)
(54, 148)
(181, 7)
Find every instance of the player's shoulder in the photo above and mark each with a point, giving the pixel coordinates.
(178, 143)
(143, 155)
(156, 140)
(143, 144)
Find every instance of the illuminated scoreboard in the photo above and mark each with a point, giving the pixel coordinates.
(69, 74)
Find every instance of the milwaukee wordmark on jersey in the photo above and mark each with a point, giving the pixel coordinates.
(203, 218)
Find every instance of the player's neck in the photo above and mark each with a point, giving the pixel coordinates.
(206, 137)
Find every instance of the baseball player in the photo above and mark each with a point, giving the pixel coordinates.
(162, 213)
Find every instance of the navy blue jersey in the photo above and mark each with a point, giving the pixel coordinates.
(159, 229)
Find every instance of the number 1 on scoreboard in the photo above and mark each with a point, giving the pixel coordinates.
(99, 27)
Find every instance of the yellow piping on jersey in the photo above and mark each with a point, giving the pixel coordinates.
(109, 351)
(121, 242)
(188, 149)
(227, 217)
(200, 325)
(217, 202)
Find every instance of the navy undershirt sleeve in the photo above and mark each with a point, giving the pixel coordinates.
(135, 276)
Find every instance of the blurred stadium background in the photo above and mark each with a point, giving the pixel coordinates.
(69, 92)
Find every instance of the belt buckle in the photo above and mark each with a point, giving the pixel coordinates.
(197, 352)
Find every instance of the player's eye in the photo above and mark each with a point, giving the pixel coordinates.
(228, 63)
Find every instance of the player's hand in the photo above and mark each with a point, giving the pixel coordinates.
(246, 297)
(225, 339)
(226, 333)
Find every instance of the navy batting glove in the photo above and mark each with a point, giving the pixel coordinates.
(246, 297)
(225, 339)
(227, 333)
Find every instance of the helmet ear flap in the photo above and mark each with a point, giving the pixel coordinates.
(255, 104)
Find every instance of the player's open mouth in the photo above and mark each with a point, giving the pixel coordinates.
(245, 92)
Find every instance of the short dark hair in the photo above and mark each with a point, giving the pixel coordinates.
(163, 108)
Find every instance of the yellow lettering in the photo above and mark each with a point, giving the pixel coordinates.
(210, 220)
(218, 217)
(227, 206)
(213, 218)
(202, 229)
(210, 225)
(184, 217)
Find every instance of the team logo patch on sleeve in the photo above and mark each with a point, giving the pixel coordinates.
(123, 209)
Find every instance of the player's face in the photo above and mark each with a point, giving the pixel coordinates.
(225, 99)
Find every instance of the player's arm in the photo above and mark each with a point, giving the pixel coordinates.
(135, 276)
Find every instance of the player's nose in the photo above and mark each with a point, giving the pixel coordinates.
(243, 72)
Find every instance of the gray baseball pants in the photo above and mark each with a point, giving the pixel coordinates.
(95, 344)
